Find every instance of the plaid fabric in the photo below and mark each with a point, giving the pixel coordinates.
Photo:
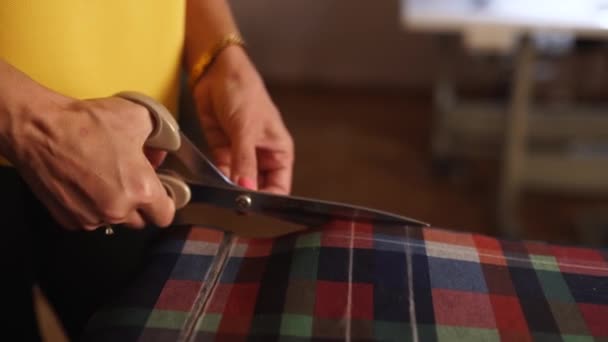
(360, 282)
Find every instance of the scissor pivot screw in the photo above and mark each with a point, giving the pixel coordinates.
(243, 202)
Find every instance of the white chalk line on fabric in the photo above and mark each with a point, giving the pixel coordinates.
(488, 255)
(349, 298)
(410, 285)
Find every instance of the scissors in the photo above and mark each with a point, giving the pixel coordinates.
(191, 178)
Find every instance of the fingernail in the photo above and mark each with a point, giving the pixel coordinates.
(247, 183)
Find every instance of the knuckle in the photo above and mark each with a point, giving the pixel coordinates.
(90, 227)
(142, 191)
(141, 112)
(167, 216)
(137, 224)
(81, 106)
(136, 111)
(166, 220)
(85, 223)
(290, 144)
(115, 212)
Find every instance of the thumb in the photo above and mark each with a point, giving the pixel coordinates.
(155, 156)
(244, 163)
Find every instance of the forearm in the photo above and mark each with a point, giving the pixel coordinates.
(207, 22)
(21, 98)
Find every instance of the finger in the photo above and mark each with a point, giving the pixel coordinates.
(215, 136)
(247, 183)
(155, 156)
(158, 208)
(207, 118)
(135, 220)
(244, 166)
(225, 170)
(277, 182)
(277, 168)
(222, 158)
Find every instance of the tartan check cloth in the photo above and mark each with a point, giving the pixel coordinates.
(360, 282)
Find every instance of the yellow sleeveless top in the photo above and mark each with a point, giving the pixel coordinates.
(95, 48)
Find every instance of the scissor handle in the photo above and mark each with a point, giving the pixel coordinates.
(165, 136)
(176, 188)
(165, 133)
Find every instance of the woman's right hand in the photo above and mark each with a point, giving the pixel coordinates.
(84, 160)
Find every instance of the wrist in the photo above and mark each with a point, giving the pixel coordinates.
(13, 117)
(232, 65)
(203, 62)
(23, 103)
(25, 121)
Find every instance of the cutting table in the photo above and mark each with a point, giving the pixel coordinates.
(359, 282)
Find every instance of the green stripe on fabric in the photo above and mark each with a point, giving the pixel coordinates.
(568, 318)
(545, 337)
(452, 334)
(577, 338)
(544, 262)
(166, 319)
(130, 317)
(296, 325)
(265, 324)
(304, 263)
(209, 322)
(392, 331)
(554, 286)
(309, 240)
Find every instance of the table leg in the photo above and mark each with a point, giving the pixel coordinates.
(514, 149)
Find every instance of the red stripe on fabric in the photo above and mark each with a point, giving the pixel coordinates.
(218, 300)
(538, 248)
(205, 234)
(241, 300)
(489, 250)
(362, 301)
(259, 248)
(178, 295)
(338, 234)
(508, 314)
(596, 317)
(364, 236)
(580, 261)
(514, 336)
(463, 309)
(452, 238)
(236, 327)
(239, 308)
(331, 299)
(337, 226)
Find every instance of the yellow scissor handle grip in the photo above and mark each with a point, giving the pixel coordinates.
(165, 136)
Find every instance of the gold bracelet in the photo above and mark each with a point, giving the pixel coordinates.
(203, 62)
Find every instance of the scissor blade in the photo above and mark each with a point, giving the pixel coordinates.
(190, 162)
(298, 210)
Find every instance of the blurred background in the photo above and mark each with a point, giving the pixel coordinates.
(473, 115)
(486, 116)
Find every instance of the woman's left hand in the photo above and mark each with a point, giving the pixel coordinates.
(244, 129)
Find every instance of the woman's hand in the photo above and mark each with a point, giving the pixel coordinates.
(248, 139)
(83, 159)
